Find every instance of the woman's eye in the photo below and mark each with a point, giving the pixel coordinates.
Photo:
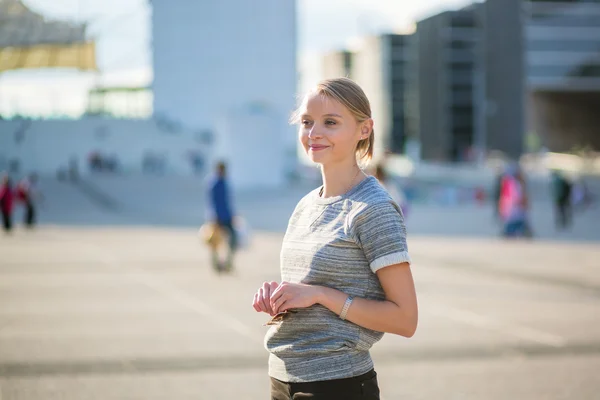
(306, 122)
(330, 122)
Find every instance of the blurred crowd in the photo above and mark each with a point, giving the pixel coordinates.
(513, 205)
(25, 194)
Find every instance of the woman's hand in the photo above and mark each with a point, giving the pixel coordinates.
(262, 298)
(293, 295)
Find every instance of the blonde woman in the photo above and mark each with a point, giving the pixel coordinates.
(345, 268)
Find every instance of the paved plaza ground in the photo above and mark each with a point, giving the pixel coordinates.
(100, 304)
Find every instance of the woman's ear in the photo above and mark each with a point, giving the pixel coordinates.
(366, 129)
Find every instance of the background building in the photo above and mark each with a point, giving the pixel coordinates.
(541, 72)
(562, 41)
(223, 88)
(502, 105)
(505, 73)
(445, 53)
(211, 66)
(381, 68)
(337, 63)
(501, 75)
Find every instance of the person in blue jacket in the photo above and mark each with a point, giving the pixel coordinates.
(222, 215)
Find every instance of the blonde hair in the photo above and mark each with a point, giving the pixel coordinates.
(351, 96)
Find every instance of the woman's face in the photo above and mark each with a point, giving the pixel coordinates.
(329, 133)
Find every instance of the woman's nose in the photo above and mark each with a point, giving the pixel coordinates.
(314, 132)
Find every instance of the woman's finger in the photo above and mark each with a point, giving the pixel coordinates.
(282, 306)
(259, 303)
(277, 303)
(255, 303)
(274, 297)
(264, 301)
(267, 287)
(261, 300)
(267, 295)
(279, 288)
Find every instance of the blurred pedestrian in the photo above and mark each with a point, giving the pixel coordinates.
(561, 194)
(29, 195)
(222, 218)
(345, 269)
(581, 197)
(496, 191)
(514, 204)
(6, 202)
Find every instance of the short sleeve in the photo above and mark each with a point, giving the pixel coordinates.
(380, 231)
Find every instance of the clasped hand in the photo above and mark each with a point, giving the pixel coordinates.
(274, 298)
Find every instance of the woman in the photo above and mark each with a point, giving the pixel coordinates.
(345, 268)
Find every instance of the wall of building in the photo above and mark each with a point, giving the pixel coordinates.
(400, 62)
(505, 76)
(563, 73)
(566, 121)
(49, 146)
(213, 58)
(253, 168)
(337, 64)
(460, 60)
(371, 72)
(563, 46)
(411, 98)
(432, 89)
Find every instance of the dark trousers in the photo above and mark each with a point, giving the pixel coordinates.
(517, 228)
(6, 221)
(363, 387)
(29, 215)
(564, 214)
(228, 227)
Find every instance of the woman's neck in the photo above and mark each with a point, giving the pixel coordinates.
(339, 179)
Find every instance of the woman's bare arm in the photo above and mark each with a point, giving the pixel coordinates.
(398, 313)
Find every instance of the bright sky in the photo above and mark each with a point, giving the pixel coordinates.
(122, 29)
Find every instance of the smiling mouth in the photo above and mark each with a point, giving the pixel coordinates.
(317, 147)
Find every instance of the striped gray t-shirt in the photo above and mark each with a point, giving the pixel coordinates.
(338, 242)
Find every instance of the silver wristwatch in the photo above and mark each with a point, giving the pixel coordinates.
(346, 307)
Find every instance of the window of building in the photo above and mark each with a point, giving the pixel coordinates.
(462, 86)
(460, 66)
(563, 45)
(462, 122)
(564, 71)
(462, 110)
(398, 88)
(565, 20)
(347, 61)
(461, 78)
(462, 97)
(462, 21)
(564, 1)
(461, 44)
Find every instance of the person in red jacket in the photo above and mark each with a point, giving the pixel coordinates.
(514, 204)
(6, 202)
